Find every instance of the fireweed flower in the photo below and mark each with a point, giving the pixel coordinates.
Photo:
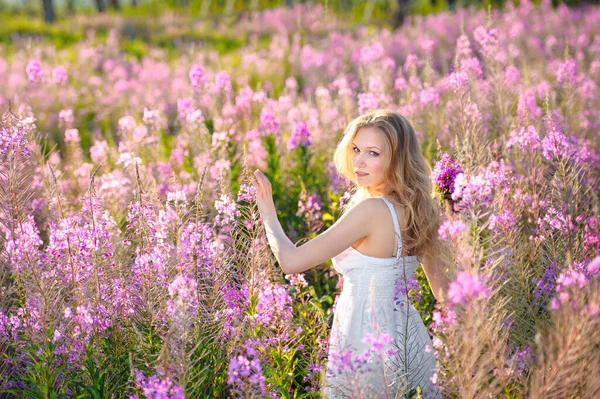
(527, 138)
(72, 135)
(197, 76)
(183, 305)
(545, 286)
(444, 174)
(184, 107)
(429, 96)
(153, 118)
(245, 375)
(378, 342)
(575, 278)
(451, 228)
(466, 288)
(404, 287)
(567, 72)
(511, 76)
(66, 118)
(159, 387)
(458, 80)
(300, 136)
(273, 305)
(527, 108)
(268, 122)
(310, 206)
(34, 71)
(127, 158)
(223, 82)
(344, 199)
(481, 188)
(15, 139)
(297, 279)
(60, 76)
(228, 212)
(247, 193)
(126, 124)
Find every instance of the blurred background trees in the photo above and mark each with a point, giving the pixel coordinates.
(365, 10)
(64, 22)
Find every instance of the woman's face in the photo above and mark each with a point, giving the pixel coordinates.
(368, 158)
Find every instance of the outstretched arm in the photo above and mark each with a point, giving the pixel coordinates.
(351, 227)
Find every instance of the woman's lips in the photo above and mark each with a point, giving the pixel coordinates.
(360, 174)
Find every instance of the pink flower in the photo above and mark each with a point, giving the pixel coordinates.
(72, 135)
(59, 75)
(594, 266)
(511, 75)
(466, 288)
(197, 76)
(223, 82)
(34, 71)
(429, 96)
(450, 229)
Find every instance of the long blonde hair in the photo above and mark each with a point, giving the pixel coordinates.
(407, 176)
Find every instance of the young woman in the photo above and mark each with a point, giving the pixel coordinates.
(389, 228)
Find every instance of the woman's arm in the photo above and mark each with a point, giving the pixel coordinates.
(351, 227)
(437, 276)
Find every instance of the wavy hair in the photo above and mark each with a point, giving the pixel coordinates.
(407, 176)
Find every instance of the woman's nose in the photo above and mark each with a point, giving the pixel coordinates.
(358, 160)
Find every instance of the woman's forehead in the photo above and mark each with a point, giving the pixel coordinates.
(366, 136)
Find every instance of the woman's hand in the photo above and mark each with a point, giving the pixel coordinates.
(264, 194)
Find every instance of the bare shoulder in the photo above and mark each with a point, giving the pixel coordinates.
(369, 207)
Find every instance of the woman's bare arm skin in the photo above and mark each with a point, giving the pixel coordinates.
(437, 276)
(351, 227)
(355, 224)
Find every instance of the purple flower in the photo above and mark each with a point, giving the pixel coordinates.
(527, 138)
(247, 193)
(34, 71)
(404, 287)
(245, 376)
(267, 120)
(567, 72)
(273, 305)
(451, 228)
(545, 286)
(458, 80)
(527, 109)
(593, 267)
(300, 136)
(429, 96)
(197, 76)
(466, 288)
(60, 76)
(13, 138)
(310, 205)
(223, 82)
(444, 174)
(555, 144)
(511, 75)
(156, 387)
(377, 342)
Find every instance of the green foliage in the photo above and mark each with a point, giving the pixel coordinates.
(45, 371)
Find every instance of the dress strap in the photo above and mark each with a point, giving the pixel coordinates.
(396, 225)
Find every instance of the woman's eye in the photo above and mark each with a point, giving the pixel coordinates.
(355, 149)
(374, 153)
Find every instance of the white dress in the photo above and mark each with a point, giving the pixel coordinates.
(370, 303)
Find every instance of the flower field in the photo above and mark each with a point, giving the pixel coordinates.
(134, 262)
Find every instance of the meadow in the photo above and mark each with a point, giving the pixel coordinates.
(134, 263)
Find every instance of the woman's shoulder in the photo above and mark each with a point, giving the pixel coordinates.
(371, 206)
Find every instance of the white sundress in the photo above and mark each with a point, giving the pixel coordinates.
(367, 305)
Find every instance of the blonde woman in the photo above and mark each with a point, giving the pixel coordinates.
(388, 228)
